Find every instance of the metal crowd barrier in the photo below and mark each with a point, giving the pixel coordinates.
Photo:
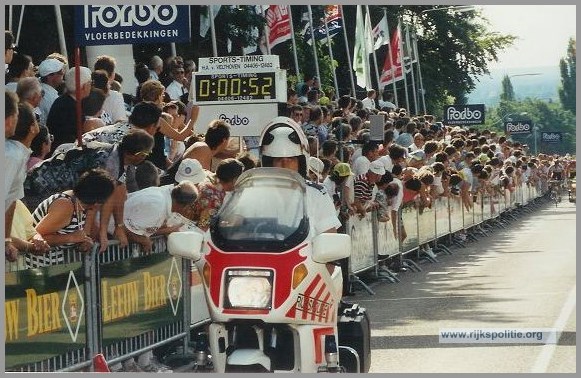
(120, 303)
(446, 217)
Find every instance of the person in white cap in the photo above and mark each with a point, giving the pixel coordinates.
(315, 169)
(51, 73)
(190, 170)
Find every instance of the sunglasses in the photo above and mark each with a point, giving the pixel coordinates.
(142, 153)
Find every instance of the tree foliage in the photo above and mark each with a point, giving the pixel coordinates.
(568, 67)
(507, 93)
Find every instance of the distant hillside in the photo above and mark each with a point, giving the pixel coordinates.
(543, 86)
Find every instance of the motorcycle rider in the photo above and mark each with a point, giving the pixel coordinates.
(283, 144)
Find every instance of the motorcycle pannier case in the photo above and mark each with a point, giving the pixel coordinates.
(355, 332)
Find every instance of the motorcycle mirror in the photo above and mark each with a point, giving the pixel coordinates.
(186, 244)
(329, 247)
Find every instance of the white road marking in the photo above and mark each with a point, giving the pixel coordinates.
(544, 358)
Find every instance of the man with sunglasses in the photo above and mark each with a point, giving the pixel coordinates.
(51, 73)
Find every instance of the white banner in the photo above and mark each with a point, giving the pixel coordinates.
(244, 119)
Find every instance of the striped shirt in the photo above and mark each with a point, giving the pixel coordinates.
(363, 189)
(56, 254)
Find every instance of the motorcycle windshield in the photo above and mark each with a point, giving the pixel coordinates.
(265, 213)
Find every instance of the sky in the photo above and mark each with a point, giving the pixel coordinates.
(543, 32)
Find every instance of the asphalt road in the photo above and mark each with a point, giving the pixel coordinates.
(520, 277)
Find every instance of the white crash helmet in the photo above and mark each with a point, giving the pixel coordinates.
(283, 137)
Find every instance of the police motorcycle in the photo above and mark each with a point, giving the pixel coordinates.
(271, 285)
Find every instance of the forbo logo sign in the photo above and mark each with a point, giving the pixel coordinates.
(235, 120)
(551, 137)
(110, 16)
(518, 127)
(465, 114)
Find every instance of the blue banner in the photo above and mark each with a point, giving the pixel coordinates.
(551, 137)
(131, 24)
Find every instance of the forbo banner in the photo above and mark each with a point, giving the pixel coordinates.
(129, 24)
(464, 114)
(551, 137)
(520, 127)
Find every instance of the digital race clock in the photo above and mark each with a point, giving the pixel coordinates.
(235, 87)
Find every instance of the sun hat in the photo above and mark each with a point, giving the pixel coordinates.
(377, 168)
(49, 66)
(190, 170)
(342, 169)
(316, 166)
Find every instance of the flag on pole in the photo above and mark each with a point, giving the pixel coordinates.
(360, 52)
(277, 24)
(334, 24)
(392, 70)
(205, 18)
(380, 34)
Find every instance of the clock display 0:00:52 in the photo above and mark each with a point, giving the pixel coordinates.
(232, 87)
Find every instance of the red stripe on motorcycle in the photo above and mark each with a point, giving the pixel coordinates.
(308, 292)
(318, 304)
(319, 341)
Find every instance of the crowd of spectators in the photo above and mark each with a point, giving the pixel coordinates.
(152, 174)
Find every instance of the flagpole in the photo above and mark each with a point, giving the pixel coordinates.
(374, 54)
(314, 42)
(405, 81)
(409, 49)
(348, 53)
(292, 29)
(213, 31)
(331, 55)
(19, 24)
(415, 46)
(60, 30)
(390, 57)
(266, 39)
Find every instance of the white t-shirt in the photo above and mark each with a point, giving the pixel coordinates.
(368, 103)
(114, 108)
(17, 154)
(321, 211)
(396, 202)
(387, 162)
(175, 90)
(50, 94)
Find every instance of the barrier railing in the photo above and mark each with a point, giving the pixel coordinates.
(123, 302)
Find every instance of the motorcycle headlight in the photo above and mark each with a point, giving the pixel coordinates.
(249, 289)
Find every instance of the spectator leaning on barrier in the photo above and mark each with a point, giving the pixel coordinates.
(364, 187)
(132, 151)
(147, 211)
(60, 219)
(213, 191)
